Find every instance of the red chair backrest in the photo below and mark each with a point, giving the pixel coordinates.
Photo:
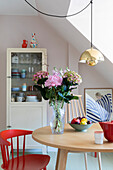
(10, 134)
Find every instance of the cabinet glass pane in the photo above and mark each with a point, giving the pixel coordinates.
(23, 67)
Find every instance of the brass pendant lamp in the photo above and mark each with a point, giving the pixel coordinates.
(91, 56)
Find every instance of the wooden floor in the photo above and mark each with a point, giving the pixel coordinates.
(75, 161)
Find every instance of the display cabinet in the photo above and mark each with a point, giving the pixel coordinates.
(25, 107)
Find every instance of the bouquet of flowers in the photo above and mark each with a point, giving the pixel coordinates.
(57, 89)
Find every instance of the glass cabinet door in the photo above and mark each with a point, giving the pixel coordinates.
(23, 66)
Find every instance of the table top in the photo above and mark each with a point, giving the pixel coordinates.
(72, 140)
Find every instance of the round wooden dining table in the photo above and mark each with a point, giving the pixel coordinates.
(71, 140)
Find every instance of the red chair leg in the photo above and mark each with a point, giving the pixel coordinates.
(95, 154)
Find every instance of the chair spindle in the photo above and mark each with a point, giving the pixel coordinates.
(72, 109)
(24, 146)
(79, 108)
(66, 114)
(3, 155)
(82, 107)
(12, 148)
(17, 146)
(69, 119)
(76, 112)
(7, 153)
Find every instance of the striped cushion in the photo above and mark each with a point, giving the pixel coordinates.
(99, 110)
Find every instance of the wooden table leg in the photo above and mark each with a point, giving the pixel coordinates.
(85, 157)
(99, 161)
(58, 153)
(61, 159)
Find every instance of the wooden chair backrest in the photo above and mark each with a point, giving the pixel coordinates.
(74, 109)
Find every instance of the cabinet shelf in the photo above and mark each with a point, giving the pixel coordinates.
(29, 78)
(27, 64)
(23, 91)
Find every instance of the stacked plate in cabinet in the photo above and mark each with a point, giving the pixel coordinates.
(31, 99)
(15, 89)
(15, 73)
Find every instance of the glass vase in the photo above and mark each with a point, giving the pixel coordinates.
(58, 118)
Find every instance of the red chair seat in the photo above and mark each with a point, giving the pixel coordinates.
(25, 162)
(28, 162)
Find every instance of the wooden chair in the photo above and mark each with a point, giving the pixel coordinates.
(24, 162)
(75, 109)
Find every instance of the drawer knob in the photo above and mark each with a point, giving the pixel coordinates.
(9, 126)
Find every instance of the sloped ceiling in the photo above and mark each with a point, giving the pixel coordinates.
(16, 7)
(62, 25)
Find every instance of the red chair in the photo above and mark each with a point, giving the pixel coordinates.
(24, 162)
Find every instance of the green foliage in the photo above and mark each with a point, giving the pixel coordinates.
(43, 91)
(42, 81)
(60, 93)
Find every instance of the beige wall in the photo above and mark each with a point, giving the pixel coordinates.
(13, 29)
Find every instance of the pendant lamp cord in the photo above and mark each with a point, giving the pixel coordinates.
(58, 16)
(64, 16)
(91, 22)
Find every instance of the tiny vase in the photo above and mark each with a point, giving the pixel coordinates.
(24, 45)
(34, 43)
(58, 118)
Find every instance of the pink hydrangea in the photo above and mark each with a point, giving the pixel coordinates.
(72, 76)
(40, 75)
(53, 80)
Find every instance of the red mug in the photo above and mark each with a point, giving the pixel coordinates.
(24, 45)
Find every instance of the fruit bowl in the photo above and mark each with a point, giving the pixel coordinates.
(80, 123)
(79, 127)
